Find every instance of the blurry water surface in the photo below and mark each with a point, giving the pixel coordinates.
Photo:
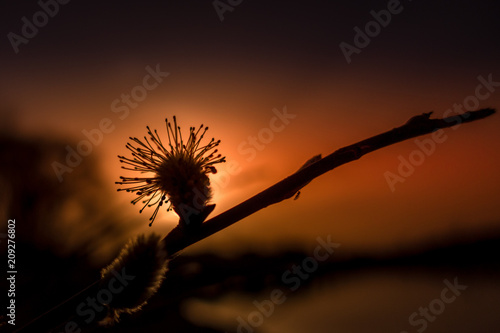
(380, 300)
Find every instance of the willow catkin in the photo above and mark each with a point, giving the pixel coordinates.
(143, 261)
(178, 173)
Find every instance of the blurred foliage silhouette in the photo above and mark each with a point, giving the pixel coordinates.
(65, 231)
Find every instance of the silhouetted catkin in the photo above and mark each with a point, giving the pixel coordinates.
(144, 262)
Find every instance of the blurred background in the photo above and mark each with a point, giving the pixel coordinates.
(75, 86)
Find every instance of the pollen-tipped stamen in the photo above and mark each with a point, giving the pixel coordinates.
(180, 170)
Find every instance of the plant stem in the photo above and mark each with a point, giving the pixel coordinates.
(177, 240)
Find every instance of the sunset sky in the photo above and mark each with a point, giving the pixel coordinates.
(235, 75)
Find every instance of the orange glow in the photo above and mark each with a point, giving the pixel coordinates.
(455, 188)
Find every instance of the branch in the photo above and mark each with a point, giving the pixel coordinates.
(177, 240)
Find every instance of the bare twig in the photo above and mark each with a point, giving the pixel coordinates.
(177, 240)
